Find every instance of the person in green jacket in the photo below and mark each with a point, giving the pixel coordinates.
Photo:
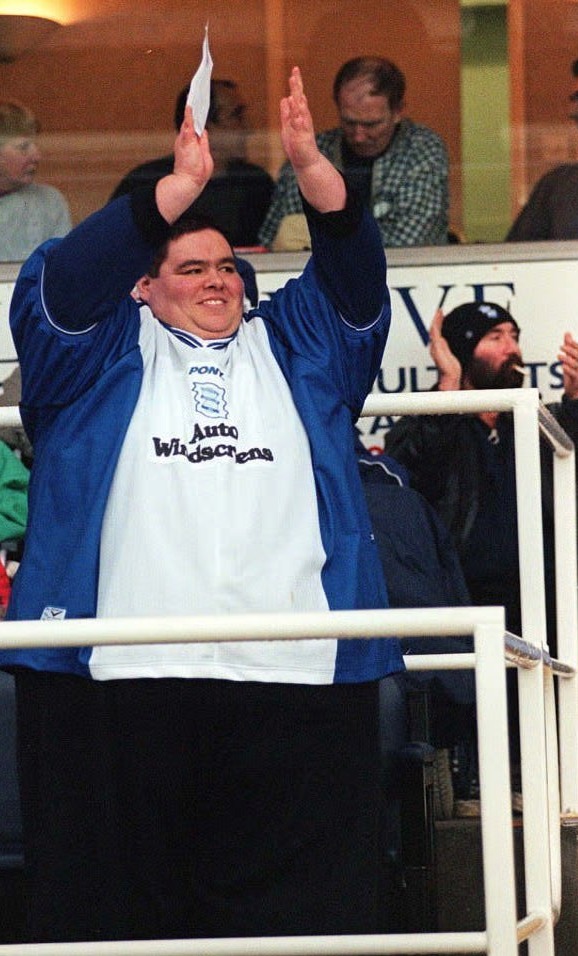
(14, 478)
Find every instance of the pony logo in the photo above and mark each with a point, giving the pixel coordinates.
(210, 400)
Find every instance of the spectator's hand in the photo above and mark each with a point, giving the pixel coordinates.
(192, 170)
(297, 131)
(193, 158)
(448, 366)
(319, 181)
(568, 356)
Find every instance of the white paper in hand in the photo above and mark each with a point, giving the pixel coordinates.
(199, 96)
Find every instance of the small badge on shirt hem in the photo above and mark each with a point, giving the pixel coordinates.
(53, 614)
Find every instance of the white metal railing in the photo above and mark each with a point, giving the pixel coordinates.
(538, 726)
(487, 627)
(528, 412)
(540, 755)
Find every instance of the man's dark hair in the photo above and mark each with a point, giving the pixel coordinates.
(190, 223)
(182, 226)
(386, 78)
(213, 114)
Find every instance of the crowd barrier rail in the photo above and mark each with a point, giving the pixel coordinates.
(549, 778)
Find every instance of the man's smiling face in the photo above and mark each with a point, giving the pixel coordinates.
(197, 288)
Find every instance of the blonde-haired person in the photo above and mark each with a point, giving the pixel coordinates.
(30, 212)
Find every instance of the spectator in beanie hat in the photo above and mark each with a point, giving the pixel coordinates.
(496, 364)
(464, 465)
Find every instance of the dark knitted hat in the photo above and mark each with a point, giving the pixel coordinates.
(465, 325)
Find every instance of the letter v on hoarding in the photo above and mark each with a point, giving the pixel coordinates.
(405, 293)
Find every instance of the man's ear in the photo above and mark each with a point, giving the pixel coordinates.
(398, 112)
(142, 288)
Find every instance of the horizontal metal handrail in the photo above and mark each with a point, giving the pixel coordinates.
(83, 632)
(431, 403)
(449, 403)
(393, 944)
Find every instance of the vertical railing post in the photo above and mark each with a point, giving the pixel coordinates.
(567, 626)
(553, 778)
(530, 536)
(531, 680)
(494, 767)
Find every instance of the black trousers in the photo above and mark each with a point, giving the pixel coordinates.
(198, 808)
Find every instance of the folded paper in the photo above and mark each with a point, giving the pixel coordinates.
(199, 95)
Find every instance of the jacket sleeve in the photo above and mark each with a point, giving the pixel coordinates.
(96, 265)
(71, 313)
(422, 444)
(349, 261)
